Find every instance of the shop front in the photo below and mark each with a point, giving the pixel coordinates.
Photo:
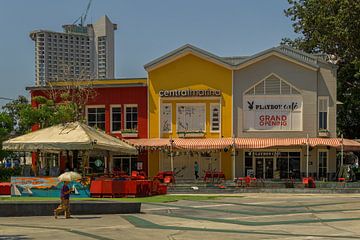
(189, 98)
(281, 164)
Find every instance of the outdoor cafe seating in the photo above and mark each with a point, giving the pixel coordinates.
(214, 176)
(246, 181)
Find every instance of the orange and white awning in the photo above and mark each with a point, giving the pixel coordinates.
(203, 143)
(243, 143)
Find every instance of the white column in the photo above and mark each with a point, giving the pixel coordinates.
(307, 155)
(171, 155)
(233, 158)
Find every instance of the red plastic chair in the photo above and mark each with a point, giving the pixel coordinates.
(247, 181)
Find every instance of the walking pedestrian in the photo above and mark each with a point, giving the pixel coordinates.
(196, 170)
(65, 201)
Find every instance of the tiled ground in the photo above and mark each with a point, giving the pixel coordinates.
(245, 216)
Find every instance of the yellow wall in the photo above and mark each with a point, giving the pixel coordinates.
(226, 162)
(153, 163)
(190, 72)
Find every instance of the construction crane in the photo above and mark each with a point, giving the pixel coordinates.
(82, 18)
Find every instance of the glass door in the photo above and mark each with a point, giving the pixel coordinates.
(264, 168)
(269, 167)
(259, 165)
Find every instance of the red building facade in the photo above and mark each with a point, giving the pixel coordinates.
(119, 107)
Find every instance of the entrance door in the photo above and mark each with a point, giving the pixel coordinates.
(269, 167)
(264, 167)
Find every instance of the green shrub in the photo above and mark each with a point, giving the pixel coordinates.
(6, 173)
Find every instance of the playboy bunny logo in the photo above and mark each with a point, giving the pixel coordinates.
(251, 105)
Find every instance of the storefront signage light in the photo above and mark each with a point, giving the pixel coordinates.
(265, 154)
(190, 93)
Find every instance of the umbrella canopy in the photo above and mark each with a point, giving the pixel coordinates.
(69, 176)
(70, 136)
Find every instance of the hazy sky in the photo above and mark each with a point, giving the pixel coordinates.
(147, 29)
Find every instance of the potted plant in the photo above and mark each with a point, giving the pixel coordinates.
(129, 132)
(189, 134)
(324, 133)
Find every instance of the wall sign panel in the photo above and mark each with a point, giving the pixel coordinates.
(274, 113)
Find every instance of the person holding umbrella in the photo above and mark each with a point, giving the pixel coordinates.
(65, 193)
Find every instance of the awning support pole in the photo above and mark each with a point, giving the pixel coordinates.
(342, 149)
(307, 155)
(233, 157)
(171, 155)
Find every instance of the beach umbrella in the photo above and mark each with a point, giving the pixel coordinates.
(69, 176)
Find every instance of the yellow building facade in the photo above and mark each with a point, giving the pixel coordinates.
(189, 96)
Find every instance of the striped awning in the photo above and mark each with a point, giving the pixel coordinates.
(251, 143)
(203, 143)
(149, 142)
(244, 143)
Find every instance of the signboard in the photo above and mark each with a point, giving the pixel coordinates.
(190, 93)
(165, 117)
(275, 113)
(35, 182)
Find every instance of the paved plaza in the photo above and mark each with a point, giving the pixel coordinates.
(244, 216)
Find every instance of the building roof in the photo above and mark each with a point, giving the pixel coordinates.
(97, 83)
(236, 62)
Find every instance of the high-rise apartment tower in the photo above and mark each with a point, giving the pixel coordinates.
(80, 52)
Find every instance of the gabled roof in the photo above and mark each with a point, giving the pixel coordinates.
(184, 50)
(237, 62)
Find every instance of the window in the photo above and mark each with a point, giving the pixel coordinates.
(131, 117)
(323, 112)
(127, 163)
(190, 117)
(96, 117)
(215, 117)
(166, 117)
(323, 156)
(115, 118)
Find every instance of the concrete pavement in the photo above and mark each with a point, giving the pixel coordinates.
(243, 216)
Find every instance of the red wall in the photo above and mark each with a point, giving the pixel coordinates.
(123, 96)
(117, 96)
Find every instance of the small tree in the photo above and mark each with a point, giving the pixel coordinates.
(76, 89)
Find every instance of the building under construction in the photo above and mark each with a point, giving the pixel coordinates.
(80, 52)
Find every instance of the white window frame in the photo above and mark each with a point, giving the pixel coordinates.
(327, 161)
(171, 111)
(190, 104)
(211, 117)
(94, 106)
(111, 117)
(327, 111)
(125, 121)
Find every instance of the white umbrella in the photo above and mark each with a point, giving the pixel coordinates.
(69, 176)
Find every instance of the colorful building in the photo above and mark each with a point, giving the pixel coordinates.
(269, 115)
(190, 96)
(119, 107)
(235, 106)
